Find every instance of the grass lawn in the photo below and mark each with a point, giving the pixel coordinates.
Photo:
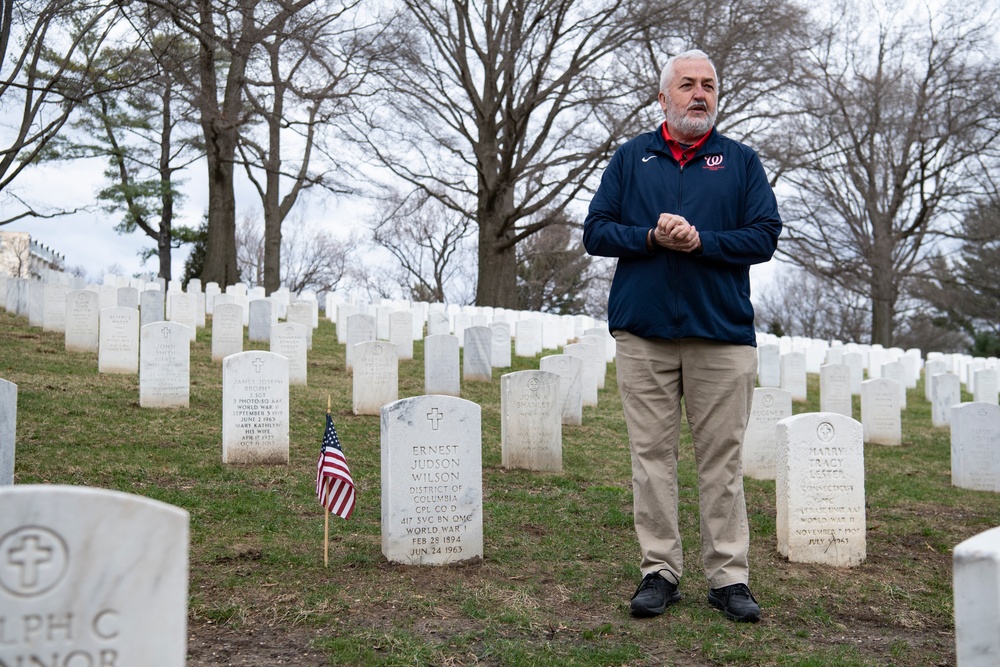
(560, 561)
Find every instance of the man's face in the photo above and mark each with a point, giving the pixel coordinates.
(689, 103)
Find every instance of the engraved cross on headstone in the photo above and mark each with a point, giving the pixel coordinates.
(434, 416)
(29, 555)
(258, 364)
(166, 332)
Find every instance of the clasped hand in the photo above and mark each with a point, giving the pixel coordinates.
(676, 233)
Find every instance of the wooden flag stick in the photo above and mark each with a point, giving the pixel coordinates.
(326, 516)
(326, 538)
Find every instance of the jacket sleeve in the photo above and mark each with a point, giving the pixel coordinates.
(604, 232)
(755, 241)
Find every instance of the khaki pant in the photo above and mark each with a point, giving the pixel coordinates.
(716, 381)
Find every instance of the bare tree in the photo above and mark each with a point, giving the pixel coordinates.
(429, 241)
(313, 259)
(501, 110)
(48, 66)
(903, 113)
(310, 65)
(554, 269)
(798, 303)
(227, 33)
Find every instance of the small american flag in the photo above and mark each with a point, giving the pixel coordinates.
(334, 485)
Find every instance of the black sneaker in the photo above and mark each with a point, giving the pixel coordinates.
(736, 602)
(653, 596)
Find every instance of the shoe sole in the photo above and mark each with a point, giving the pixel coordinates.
(639, 611)
(746, 618)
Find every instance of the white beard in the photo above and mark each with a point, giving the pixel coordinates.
(689, 127)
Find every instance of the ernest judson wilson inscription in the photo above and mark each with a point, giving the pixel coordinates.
(432, 481)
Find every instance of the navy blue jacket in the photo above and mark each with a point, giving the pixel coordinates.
(723, 191)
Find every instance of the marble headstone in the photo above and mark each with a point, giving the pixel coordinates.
(227, 330)
(880, 414)
(793, 375)
(261, 318)
(82, 321)
(401, 333)
(360, 329)
(91, 578)
(946, 391)
(181, 307)
(588, 371)
(432, 481)
(164, 365)
(500, 346)
(835, 389)
(770, 405)
(984, 386)
(151, 306)
(932, 368)
(531, 421)
(255, 408)
(769, 365)
(118, 350)
(376, 376)
(441, 365)
(476, 363)
(976, 582)
(289, 340)
(54, 307)
(975, 446)
(570, 372)
(820, 490)
(8, 430)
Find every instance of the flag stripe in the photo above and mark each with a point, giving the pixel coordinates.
(334, 484)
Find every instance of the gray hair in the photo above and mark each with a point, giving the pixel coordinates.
(694, 54)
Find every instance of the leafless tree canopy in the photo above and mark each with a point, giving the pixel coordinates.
(900, 118)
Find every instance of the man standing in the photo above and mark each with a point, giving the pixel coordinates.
(686, 211)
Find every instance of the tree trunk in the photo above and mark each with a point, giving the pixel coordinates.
(220, 251)
(497, 284)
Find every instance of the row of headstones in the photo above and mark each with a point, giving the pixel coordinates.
(975, 433)
(65, 551)
(789, 371)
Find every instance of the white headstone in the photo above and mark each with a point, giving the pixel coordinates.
(376, 376)
(289, 340)
(946, 391)
(227, 330)
(932, 368)
(599, 359)
(820, 489)
(108, 295)
(793, 375)
(128, 297)
(261, 318)
(835, 389)
(164, 365)
(895, 370)
(769, 365)
(401, 333)
(432, 481)
(441, 365)
(360, 329)
(255, 408)
(531, 421)
(528, 337)
(181, 308)
(588, 371)
(770, 405)
(500, 346)
(151, 306)
(984, 386)
(118, 349)
(303, 312)
(82, 321)
(975, 446)
(438, 323)
(856, 362)
(54, 307)
(476, 363)
(570, 372)
(8, 430)
(92, 578)
(976, 582)
(880, 413)
(211, 291)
